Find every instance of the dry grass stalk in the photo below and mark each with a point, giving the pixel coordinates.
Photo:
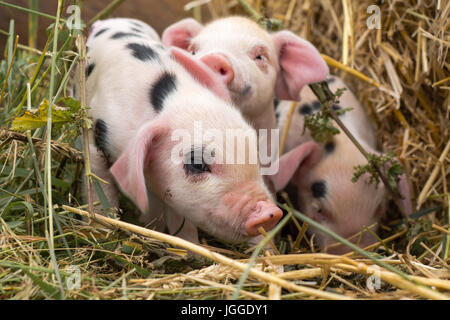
(175, 241)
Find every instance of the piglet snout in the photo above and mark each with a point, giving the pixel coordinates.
(220, 65)
(266, 215)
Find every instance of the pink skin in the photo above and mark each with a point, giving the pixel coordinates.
(228, 201)
(345, 207)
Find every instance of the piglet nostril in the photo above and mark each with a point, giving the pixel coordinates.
(219, 64)
(267, 216)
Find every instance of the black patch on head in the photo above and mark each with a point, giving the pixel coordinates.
(306, 109)
(329, 147)
(165, 85)
(276, 102)
(119, 35)
(330, 80)
(100, 32)
(336, 107)
(101, 136)
(316, 105)
(319, 189)
(142, 52)
(89, 69)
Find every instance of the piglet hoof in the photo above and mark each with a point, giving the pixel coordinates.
(266, 215)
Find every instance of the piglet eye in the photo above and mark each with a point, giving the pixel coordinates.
(259, 57)
(196, 164)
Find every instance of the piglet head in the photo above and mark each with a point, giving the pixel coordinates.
(253, 64)
(227, 200)
(224, 197)
(327, 194)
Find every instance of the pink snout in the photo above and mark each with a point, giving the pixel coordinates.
(220, 65)
(266, 215)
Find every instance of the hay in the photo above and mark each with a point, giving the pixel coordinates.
(399, 72)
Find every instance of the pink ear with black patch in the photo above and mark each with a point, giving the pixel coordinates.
(300, 64)
(180, 34)
(128, 170)
(302, 157)
(201, 72)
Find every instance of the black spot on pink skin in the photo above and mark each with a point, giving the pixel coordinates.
(316, 105)
(101, 137)
(89, 69)
(336, 107)
(319, 189)
(306, 109)
(136, 30)
(120, 35)
(162, 88)
(329, 147)
(277, 115)
(142, 52)
(100, 32)
(276, 102)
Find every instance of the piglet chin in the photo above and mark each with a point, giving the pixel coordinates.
(266, 215)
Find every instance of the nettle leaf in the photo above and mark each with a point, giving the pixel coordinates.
(71, 103)
(31, 120)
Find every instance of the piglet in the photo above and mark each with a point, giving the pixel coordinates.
(323, 173)
(254, 65)
(143, 99)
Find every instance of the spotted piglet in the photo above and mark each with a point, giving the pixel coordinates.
(323, 174)
(143, 98)
(254, 65)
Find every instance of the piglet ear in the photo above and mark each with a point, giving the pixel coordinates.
(202, 73)
(302, 157)
(128, 170)
(300, 64)
(180, 34)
